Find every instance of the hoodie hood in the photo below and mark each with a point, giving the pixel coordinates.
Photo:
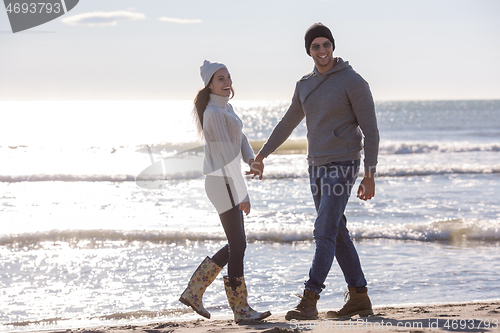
(340, 65)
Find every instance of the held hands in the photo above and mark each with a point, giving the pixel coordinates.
(256, 167)
(366, 189)
(245, 207)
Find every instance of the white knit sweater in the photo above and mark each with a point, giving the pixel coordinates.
(225, 142)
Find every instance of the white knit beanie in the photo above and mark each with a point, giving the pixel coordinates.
(208, 69)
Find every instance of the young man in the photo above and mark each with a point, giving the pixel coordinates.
(337, 104)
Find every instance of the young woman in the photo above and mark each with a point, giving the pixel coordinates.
(225, 145)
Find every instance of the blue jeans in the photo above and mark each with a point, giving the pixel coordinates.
(331, 187)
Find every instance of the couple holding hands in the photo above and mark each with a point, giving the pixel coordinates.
(339, 110)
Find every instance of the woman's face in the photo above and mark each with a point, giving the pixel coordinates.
(221, 83)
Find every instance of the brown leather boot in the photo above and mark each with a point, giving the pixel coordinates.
(358, 303)
(306, 309)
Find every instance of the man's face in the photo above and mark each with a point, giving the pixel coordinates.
(322, 53)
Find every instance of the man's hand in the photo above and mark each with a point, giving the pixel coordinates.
(256, 167)
(245, 206)
(366, 189)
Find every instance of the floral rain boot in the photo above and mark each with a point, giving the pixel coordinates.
(236, 291)
(204, 275)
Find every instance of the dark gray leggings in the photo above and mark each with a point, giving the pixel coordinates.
(232, 254)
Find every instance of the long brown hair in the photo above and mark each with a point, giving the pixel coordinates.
(200, 104)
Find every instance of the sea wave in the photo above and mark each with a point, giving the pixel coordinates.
(95, 321)
(394, 147)
(161, 181)
(387, 147)
(293, 146)
(65, 178)
(440, 230)
(397, 170)
(397, 159)
(437, 169)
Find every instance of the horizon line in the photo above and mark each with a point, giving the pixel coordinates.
(242, 100)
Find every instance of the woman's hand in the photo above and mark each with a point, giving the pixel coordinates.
(245, 206)
(256, 167)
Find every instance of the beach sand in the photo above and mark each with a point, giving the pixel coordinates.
(461, 317)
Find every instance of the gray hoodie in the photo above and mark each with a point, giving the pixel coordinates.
(339, 110)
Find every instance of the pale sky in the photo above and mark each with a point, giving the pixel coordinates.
(152, 49)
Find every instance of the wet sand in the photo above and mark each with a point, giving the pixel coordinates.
(458, 317)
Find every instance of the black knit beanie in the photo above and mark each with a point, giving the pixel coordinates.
(317, 30)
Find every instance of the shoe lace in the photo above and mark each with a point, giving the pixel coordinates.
(302, 302)
(346, 296)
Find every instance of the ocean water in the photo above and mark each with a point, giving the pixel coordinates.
(82, 243)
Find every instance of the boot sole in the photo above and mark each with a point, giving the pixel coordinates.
(188, 303)
(362, 313)
(262, 317)
(290, 317)
(265, 315)
(366, 313)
